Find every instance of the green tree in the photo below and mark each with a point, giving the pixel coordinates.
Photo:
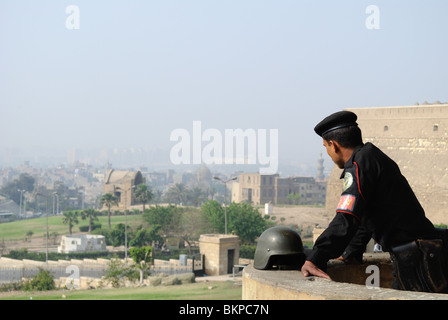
(90, 214)
(117, 235)
(24, 182)
(108, 200)
(196, 196)
(143, 194)
(191, 225)
(242, 219)
(246, 221)
(144, 236)
(186, 223)
(28, 235)
(54, 237)
(294, 197)
(167, 217)
(213, 211)
(157, 196)
(177, 194)
(70, 218)
(210, 192)
(142, 258)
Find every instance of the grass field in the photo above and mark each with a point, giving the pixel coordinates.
(15, 231)
(218, 290)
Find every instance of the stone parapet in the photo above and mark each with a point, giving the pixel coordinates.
(292, 285)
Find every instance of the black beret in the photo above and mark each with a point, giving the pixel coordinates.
(335, 121)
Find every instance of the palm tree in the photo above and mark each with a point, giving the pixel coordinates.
(70, 218)
(177, 194)
(157, 196)
(108, 200)
(196, 196)
(143, 194)
(211, 192)
(90, 214)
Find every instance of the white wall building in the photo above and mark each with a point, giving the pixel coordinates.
(82, 243)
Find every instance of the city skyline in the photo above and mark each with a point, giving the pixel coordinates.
(137, 158)
(99, 75)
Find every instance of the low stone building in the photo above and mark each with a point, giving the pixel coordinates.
(221, 253)
(82, 243)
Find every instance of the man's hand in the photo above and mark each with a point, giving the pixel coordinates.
(350, 260)
(310, 269)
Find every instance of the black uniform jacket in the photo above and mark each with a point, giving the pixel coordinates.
(377, 202)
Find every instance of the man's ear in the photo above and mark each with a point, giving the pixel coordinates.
(334, 145)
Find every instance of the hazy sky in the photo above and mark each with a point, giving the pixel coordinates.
(136, 70)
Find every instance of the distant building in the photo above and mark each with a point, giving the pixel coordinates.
(157, 179)
(122, 184)
(82, 243)
(257, 189)
(320, 169)
(6, 216)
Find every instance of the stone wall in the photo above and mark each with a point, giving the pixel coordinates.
(416, 138)
(349, 283)
(91, 271)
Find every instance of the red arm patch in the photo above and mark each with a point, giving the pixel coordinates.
(346, 202)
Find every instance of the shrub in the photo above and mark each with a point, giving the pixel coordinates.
(43, 281)
(247, 251)
(171, 281)
(40, 256)
(117, 272)
(86, 228)
(12, 286)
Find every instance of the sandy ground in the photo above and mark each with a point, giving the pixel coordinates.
(301, 215)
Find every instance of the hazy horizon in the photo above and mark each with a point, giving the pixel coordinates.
(132, 72)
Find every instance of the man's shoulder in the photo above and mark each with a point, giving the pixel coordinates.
(372, 155)
(371, 149)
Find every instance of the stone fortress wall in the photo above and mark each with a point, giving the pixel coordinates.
(416, 137)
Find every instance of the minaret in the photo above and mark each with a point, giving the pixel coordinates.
(320, 169)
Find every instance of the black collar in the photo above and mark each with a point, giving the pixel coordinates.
(349, 163)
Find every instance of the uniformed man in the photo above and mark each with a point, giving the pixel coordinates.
(376, 201)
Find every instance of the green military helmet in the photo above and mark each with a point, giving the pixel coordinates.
(279, 248)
